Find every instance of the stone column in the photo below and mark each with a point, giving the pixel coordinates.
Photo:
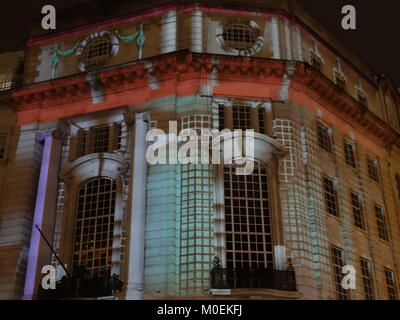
(275, 38)
(169, 32)
(39, 253)
(138, 211)
(197, 30)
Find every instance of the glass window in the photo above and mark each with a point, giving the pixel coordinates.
(241, 117)
(324, 140)
(390, 284)
(358, 214)
(330, 196)
(381, 223)
(366, 277)
(239, 36)
(373, 169)
(247, 219)
(94, 226)
(337, 263)
(97, 52)
(349, 154)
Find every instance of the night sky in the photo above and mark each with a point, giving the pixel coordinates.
(376, 39)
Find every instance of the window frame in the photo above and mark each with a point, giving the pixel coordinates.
(258, 117)
(341, 293)
(86, 187)
(358, 218)
(85, 138)
(350, 158)
(367, 278)
(391, 285)
(381, 223)
(329, 194)
(324, 138)
(267, 230)
(108, 165)
(373, 168)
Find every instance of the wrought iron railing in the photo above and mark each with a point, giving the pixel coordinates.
(253, 278)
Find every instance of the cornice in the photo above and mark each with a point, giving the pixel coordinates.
(185, 65)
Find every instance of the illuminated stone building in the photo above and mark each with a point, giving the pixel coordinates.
(325, 193)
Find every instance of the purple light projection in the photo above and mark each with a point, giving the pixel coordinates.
(38, 216)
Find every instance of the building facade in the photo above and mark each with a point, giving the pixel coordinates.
(324, 193)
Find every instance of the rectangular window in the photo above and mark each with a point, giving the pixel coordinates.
(381, 223)
(349, 154)
(337, 263)
(366, 277)
(241, 117)
(261, 120)
(3, 140)
(100, 139)
(324, 140)
(221, 117)
(390, 284)
(104, 138)
(373, 169)
(117, 136)
(82, 137)
(248, 226)
(358, 214)
(330, 196)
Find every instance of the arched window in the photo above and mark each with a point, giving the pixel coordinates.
(239, 36)
(94, 226)
(97, 52)
(248, 226)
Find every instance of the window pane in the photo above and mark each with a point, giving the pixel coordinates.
(248, 221)
(94, 226)
(349, 154)
(239, 36)
(337, 263)
(366, 277)
(330, 196)
(323, 138)
(100, 139)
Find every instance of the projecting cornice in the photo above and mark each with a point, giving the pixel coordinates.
(185, 68)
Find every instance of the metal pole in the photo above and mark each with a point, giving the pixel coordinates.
(52, 250)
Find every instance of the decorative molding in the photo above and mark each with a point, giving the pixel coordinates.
(259, 43)
(114, 45)
(94, 165)
(184, 65)
(139, 36)
(55, 57)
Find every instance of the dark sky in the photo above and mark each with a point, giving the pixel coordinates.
(376, 39)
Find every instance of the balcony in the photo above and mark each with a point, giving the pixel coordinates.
(260, 278)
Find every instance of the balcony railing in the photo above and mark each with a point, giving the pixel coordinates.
(253, 278)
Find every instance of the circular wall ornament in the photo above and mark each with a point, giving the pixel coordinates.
(240, 38)
(96, 48)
